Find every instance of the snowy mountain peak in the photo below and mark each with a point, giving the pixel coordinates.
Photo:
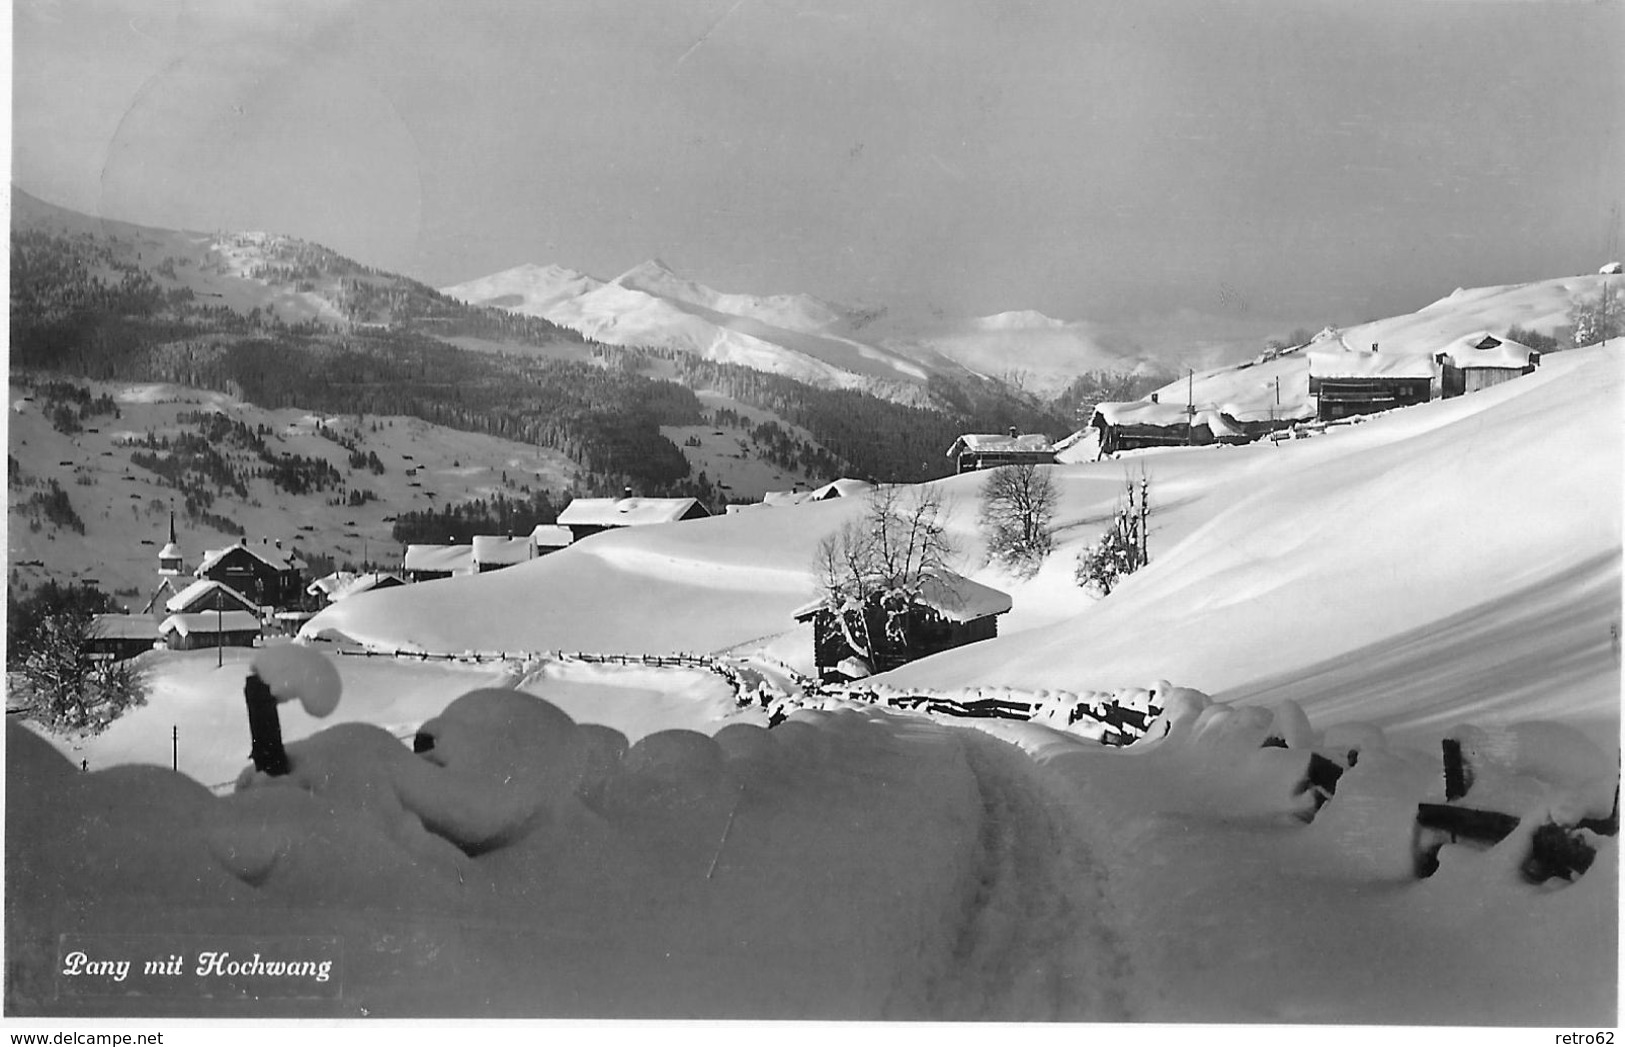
(1016, 320)
(527, 288)
(653, 269)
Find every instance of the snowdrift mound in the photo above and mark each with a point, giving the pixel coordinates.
(519, 864)
(845, 864)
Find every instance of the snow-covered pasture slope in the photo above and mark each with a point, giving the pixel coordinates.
(1257, 387)
(1479, 537)
(1451, 559)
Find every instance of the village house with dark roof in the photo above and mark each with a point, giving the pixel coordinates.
(263, 571)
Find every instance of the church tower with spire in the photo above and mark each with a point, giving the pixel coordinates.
(169, 557)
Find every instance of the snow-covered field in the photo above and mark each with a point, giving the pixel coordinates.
(617, 842)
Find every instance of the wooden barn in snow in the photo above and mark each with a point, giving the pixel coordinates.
(1348, 383)
(425, 562)
(1149, 423)
(549, 538)
(974, 451)
(1481, 360)
(341, 584)
(588, 516)
(949, 611)
(842, 488)
(492, 552)
(120, 636)
(192, 632)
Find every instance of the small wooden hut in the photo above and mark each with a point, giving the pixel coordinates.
(949, 611)
(1481, 360)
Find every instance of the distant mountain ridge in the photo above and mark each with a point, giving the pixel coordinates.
(813, 340)
(649, 305)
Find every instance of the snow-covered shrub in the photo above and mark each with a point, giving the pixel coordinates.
(1597, 319)
(1122, 549)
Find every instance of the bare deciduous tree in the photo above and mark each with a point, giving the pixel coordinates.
(73, 693)
(883, 560)
(1018, 508)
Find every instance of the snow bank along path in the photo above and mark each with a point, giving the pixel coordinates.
(843, 865)
(846, 864)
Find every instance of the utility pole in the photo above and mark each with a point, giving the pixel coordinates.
(219, 634)
(1190, 405)
(175, 748)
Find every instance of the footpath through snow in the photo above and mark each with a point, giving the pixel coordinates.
(848, 863)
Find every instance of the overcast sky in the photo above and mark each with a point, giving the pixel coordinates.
(1281, 159)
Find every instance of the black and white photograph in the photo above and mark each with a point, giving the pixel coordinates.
(768, 512)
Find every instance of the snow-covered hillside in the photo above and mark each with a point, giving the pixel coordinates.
(572, 841)
(1280, 383)
(125, 508)
(1441, 526)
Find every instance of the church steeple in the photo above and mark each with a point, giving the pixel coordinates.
(169, 557)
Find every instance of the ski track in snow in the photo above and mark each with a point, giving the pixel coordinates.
(1034, 942)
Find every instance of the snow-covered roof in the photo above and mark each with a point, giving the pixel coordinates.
(340, 584)
(199, 588)
(842, 488)
(845, 487)
(124, 627)
(951, 595)
(458, 559)
(269, 552)
(330, 584)
(497, 549)
(988, 443)
(1297, 410)
(170, 551)
(1342, 364)
(1219, 420)
(1218, 423)
(1071, 441)
(1142, 412)
(550, 536)
(1482, 349)
(210, 622)
(626, 512)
